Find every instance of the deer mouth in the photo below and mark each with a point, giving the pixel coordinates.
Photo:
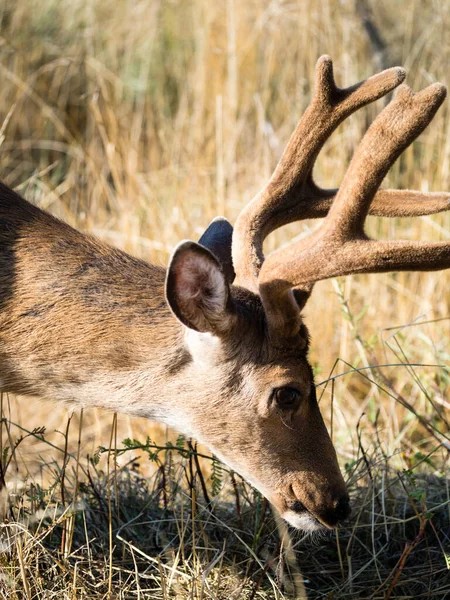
(301, 518)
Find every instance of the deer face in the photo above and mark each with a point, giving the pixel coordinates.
(257, 407)
(271, 430)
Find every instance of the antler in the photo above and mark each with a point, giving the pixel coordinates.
(291, 194)
(340, 246)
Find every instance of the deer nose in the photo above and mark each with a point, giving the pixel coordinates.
(342, 509)
(337, 512)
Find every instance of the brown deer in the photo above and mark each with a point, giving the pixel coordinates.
(81, 321)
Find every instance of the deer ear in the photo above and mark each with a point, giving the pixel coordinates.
(197, 290)
(218, 238)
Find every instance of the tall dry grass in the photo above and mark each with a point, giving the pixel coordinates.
(141, 121)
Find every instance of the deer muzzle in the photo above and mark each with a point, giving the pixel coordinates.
(311, 508)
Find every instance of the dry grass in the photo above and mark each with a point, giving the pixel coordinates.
(140, 122)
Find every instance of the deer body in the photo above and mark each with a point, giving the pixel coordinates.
(223, 362)
(73, 309)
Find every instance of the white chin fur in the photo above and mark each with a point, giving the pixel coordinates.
(303, 521)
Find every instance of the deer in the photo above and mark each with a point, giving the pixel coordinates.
(215, 345)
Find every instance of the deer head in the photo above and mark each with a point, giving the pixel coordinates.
(247, 336)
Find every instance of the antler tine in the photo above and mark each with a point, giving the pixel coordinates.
(288, 194)
(387, 203)
(340, 246)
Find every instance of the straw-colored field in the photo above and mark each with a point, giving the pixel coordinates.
(139, 122)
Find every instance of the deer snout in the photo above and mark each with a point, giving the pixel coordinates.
(339, 511)
(313, 509)
(331, 516)
(309, 519)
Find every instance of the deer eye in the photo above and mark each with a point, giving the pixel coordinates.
(287, 397)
